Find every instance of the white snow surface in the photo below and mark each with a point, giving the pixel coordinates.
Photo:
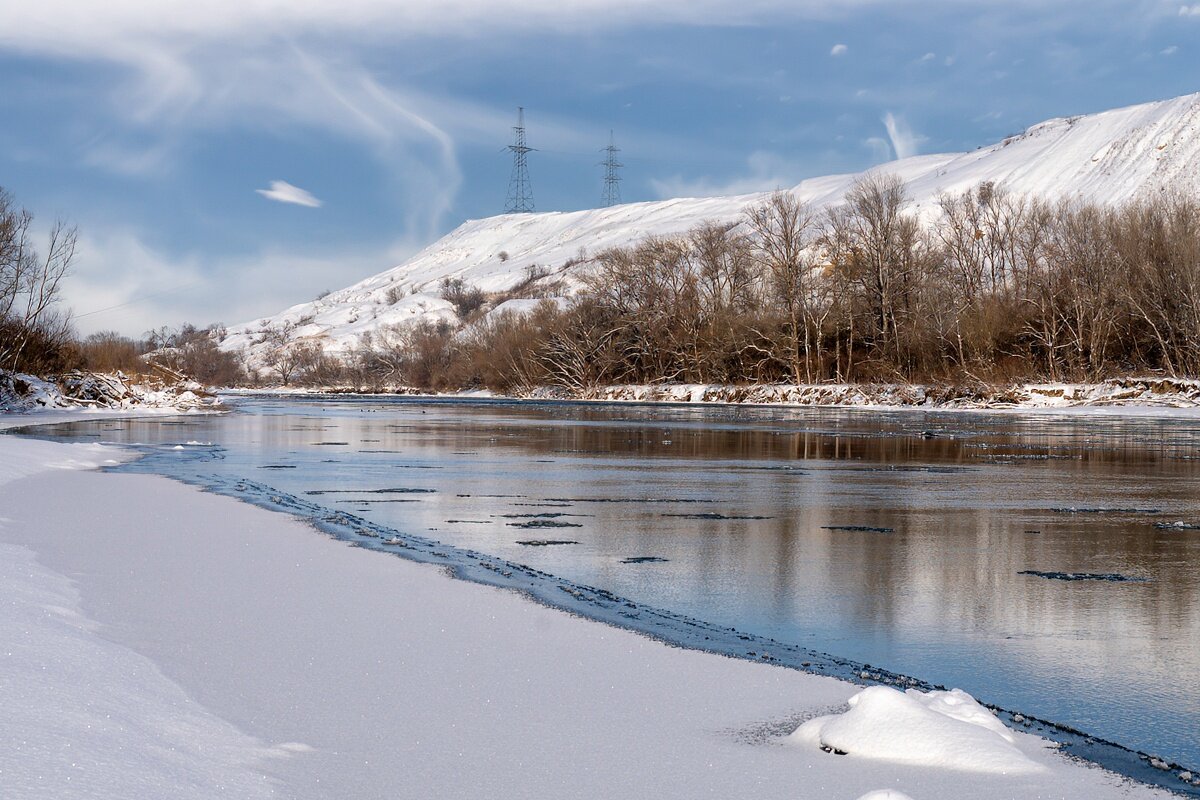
(940, 729)
(1107, 157)
(159, 641)
(82, 715)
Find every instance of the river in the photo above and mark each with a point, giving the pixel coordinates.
(937, 545)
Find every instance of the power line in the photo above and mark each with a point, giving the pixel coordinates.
(612, 180)
(520, 191)
(138, 299)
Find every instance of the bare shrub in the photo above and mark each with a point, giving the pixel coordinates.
(109, 351)
(194, 352)
(466, 299)
(422, 355)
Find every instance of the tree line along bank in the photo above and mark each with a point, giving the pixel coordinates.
(990, 288)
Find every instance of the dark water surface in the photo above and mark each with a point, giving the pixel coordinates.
(1035, 561)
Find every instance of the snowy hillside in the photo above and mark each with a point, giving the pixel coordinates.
(1108, 158)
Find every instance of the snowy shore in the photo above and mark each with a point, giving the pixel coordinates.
(168, 393)
(1133, 396)
(166, 642)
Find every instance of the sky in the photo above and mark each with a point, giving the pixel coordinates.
(227, 159)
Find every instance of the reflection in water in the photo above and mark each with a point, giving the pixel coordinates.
(896, 539)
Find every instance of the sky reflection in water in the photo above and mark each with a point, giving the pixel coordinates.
(971, 500)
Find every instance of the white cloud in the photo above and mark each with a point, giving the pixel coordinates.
(905, 142)
(839, 50)
(926, 58)
(284, 192)
(119, 282)
(1190, 11)
(1169, 51)
(987, 116)
(174, 95)
(85, 27)
(129, 158)
(766, 172)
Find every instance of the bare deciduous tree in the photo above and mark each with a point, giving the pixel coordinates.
(32, 331)
(785, 237)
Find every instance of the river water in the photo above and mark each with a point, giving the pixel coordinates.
(905, 540)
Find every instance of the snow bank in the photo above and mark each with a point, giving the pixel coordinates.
(21, 393)
(83, 716)
(1126, 396)
(25, 457)
(939, 729)
(1117, 393)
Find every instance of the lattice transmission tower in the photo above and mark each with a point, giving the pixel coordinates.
(612, 179)
(520, 192)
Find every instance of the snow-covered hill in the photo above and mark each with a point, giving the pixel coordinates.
(1107, 158)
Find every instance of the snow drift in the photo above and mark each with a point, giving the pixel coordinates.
(1108, 157)
(948, 730)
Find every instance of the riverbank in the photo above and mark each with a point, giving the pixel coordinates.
(1115, 393)
(307, 668)
(1131, 395)
(167, 392)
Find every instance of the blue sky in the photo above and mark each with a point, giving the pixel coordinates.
(154, 125)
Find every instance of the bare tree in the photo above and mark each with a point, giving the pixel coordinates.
(29, 286)
(784, 236)
(1157, 242)
(465, 299)
(282, 353)
(881, 249)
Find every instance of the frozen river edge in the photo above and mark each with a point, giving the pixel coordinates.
(682, 632)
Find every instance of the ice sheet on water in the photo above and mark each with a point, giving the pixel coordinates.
(1111, 577)
(544, 523)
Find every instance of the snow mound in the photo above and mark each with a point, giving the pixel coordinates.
(1109, 157)
(885, 794)
(947, 730)
(20, 392)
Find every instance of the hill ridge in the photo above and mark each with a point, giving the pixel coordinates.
(1108, 157)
